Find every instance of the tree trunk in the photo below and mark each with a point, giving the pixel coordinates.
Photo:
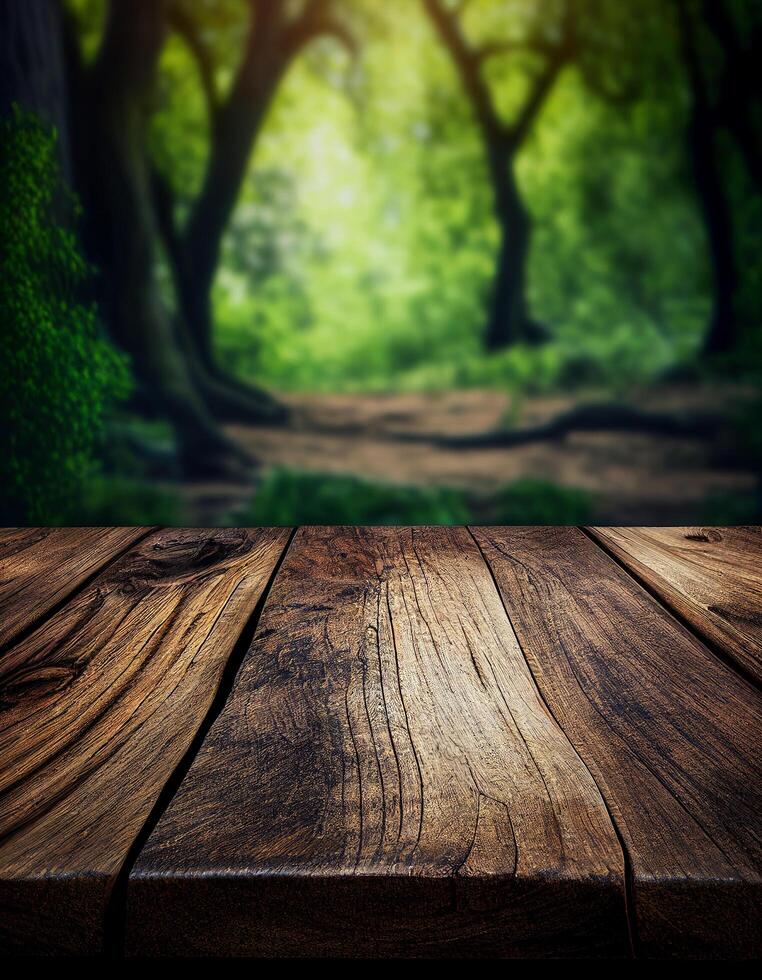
(712, 199)
(32, 70)
(722, 333)
(739, 89)
(119, 196)
(509, 321)
(234, 135)
(235, 128)
(232, 143)
(274, 40)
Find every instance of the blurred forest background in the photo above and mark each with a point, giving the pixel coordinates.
(367, 261)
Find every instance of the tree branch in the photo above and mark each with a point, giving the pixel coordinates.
(183, 25)
(493, 49)
(466, 62)
(601, 417)
(317, 20)
(543, 83)
(470, 59)
(557, 56)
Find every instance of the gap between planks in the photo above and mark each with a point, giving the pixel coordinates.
(75, 589)
(629, 881)
(116, 909)
(152, 583)
(699, 635)
(253, 853)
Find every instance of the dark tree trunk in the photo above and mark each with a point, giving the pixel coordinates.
(712, 198)
(509, 320)
(118, 191)
(32, 71)
(233, 141)
(715, 208)
(234, 136)
(275, 38)
(235, 128)
(739, 87)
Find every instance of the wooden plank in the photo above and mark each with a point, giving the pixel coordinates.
(710, 576)
(671, 733)
(384, 779)
(40, 567)
(97, 707)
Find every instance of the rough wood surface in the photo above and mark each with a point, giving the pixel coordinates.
(97, 707)
(711, 576)
(671, 733)
(40, 567)
(384, 778)
(415, 758)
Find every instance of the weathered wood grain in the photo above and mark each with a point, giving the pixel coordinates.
(384, 779)
(40, 567)
(671, 733)
(97, 707)
(711, 576)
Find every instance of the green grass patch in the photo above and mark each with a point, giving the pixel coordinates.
(117, 501)
(293, 497)
(539, 502)
(289, 497)
(732, 509)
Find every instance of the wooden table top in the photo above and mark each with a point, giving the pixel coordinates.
(526, 742)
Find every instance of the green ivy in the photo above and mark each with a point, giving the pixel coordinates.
(58, 375)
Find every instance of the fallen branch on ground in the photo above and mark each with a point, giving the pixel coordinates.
(601, 417)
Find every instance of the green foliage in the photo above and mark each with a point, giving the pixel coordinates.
(58, 377)
(728, 510)
(539, 502)
(381, 256)
(361, 251)
(113, 501)
(290, 497)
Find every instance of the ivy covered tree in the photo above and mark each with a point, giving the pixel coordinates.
(105, 105)
(59, 376)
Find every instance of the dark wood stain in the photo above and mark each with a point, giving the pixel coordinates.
(384, 780)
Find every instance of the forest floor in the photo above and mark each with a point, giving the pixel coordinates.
(631, 477)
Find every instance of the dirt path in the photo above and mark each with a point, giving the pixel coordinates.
(635, 478)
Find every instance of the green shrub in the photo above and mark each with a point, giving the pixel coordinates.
(537, 502)
(292, 497)
(58, 376)
(114, 500)
(731, 509)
